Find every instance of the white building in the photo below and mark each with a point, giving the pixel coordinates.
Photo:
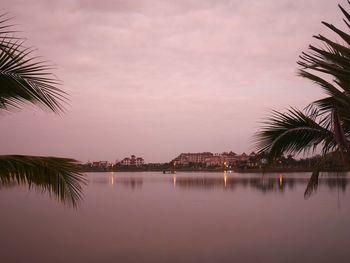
(133, 161)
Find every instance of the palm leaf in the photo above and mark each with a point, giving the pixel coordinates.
(292, 132)
(332, 59)
(25, 78)
(57, 176)
(327, 120)
(328, 87)
(312, 185)
(337, 161)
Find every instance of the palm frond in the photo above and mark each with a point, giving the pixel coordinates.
(25, 78)
(60, 177)
(329, 88)
(326, 122)
(6, 30)
(326, 107)
(312, 185)
(332, 59)
(292, 132)
(336, 161)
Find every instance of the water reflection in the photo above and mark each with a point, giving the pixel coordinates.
(262, 183)
(225, 178)
(132, 183)
(187, 217)
(111, 179)
(114, 181)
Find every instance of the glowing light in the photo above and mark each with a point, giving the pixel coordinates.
(225, 178)
(225, 166)
(281, 180)
(111, 180)
(174, 181)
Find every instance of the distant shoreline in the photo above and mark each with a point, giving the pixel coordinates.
(242, 171)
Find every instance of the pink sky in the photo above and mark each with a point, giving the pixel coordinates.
(157, 78)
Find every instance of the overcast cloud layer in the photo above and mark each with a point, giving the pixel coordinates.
(156, 78)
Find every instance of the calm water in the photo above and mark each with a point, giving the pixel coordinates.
(190, 217)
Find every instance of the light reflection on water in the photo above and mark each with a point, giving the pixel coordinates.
(203, 181)
(183, 217)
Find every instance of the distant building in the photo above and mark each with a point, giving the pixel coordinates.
(99, 164)
(210, 159)
(229, 158)
(139, 161)
(133, 161)
(214, 160)
(126, 161)
(186, 158)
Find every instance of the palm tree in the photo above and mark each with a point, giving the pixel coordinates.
(325, 123)
(26, 79)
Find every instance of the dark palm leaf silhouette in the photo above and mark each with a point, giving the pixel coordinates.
(57, 176)
(25, 79)
(325, 123)
(293, 132)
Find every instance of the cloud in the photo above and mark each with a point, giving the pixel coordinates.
(176, 69)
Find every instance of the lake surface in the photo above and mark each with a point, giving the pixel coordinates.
(187, 217)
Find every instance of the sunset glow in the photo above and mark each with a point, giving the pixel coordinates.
(157, 78)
